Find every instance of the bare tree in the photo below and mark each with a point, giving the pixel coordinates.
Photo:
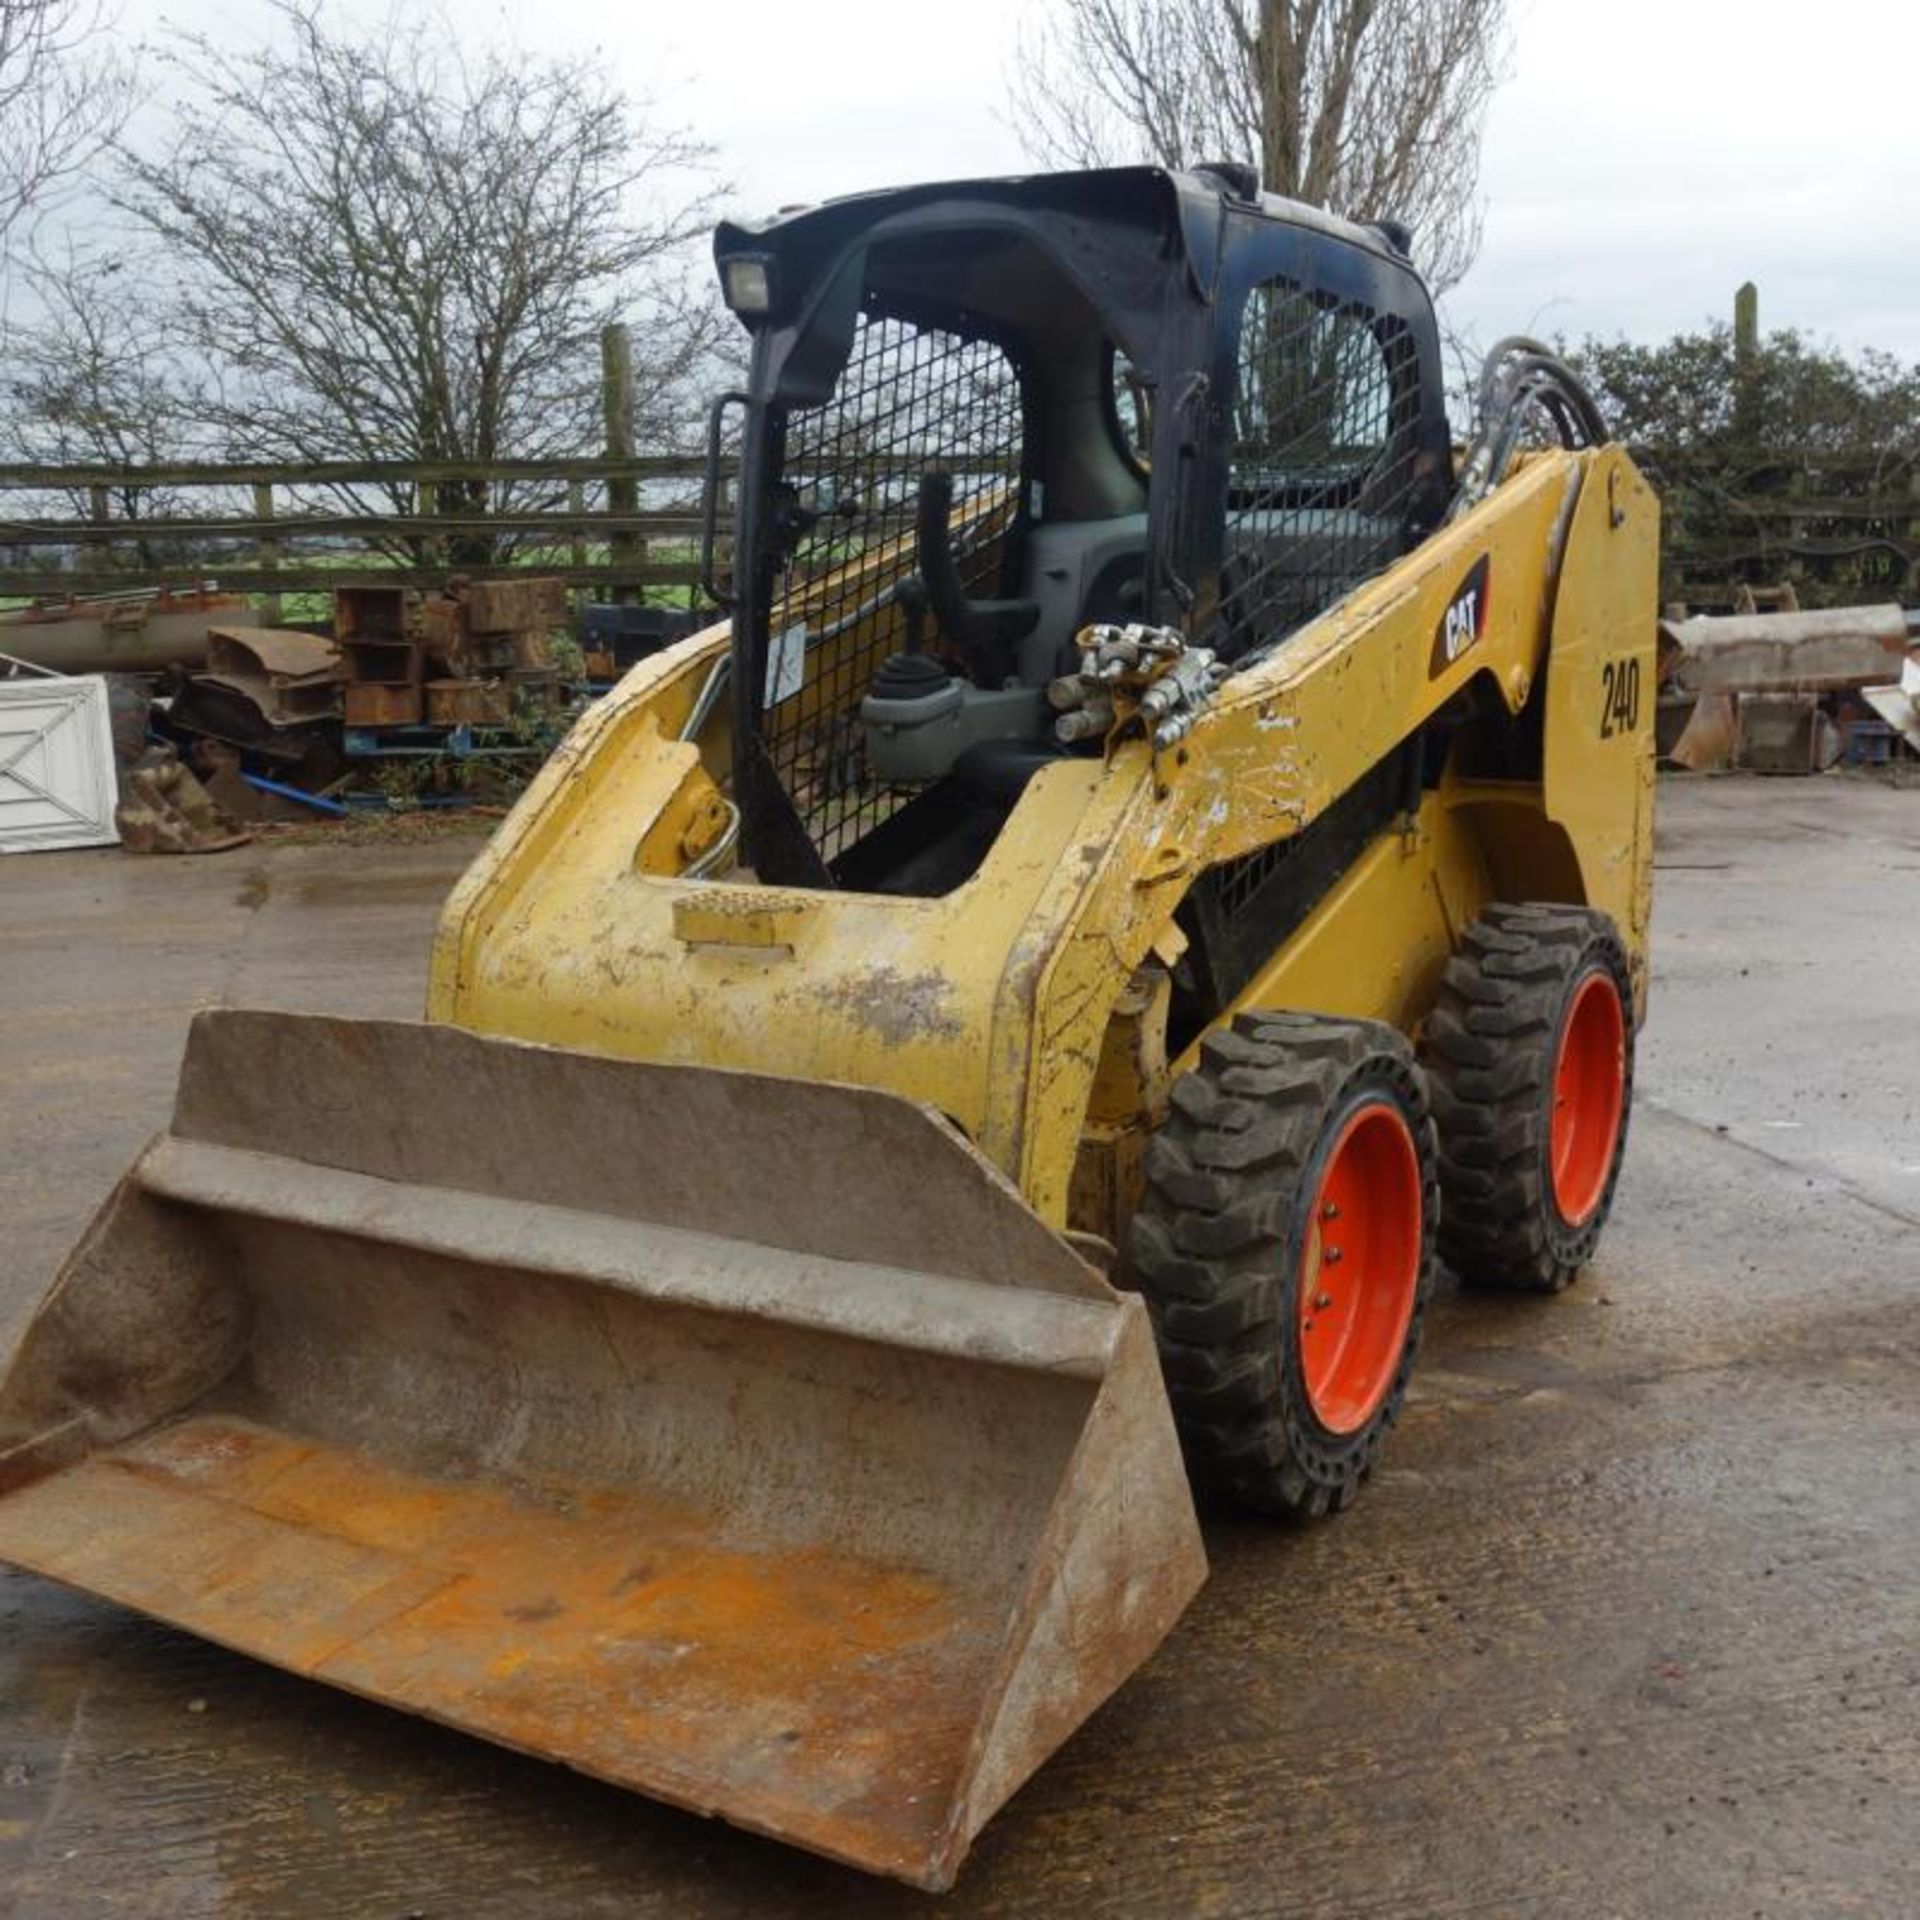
(383, 249)
(63, 95)
(90, 380)
(1372, 108)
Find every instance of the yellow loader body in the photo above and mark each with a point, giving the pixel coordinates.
(714, 1349)
(996, 1004)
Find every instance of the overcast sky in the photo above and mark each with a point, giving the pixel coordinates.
(1644, 157)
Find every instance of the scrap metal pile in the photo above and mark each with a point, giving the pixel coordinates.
(207, 723)
(440, 683)
(1789, 691)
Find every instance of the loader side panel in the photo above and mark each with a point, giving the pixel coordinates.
(1600, 697)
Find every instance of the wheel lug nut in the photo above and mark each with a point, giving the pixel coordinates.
(1333, 1256)
(1323, 1303)
(1330, 1211)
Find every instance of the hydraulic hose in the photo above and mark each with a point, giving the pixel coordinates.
(1521, 378)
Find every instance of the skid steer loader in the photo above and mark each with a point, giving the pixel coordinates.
(998, 1032)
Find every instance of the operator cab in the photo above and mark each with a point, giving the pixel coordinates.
(984, 416)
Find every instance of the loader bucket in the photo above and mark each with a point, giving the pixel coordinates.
(744, 1441)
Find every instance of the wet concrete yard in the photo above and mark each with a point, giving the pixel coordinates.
(1628, 1624)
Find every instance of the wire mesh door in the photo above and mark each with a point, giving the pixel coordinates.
(1323, 477)
(1323, 461)
(912, 400)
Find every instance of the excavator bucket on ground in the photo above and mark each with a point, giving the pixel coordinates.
(745, 1441)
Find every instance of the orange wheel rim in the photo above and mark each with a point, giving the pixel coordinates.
(1589, 1097)
(1360, 1267)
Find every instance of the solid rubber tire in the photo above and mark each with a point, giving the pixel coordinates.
(1490, 1047)
(1217, 1248)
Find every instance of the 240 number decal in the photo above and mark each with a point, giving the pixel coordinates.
(1619, 697)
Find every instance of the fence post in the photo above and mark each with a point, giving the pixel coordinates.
(267, 547)
(577, 506)
(616, 406)
(1910, 573)
(1746, 349)
(99, 510)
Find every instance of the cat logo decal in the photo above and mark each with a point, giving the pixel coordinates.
(1465, 619)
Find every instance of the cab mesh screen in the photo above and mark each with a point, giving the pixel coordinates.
(1322, 474)
(911, 400)
(1322, 461)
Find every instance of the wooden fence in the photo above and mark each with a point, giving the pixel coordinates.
(301, 528)
(1841, 530)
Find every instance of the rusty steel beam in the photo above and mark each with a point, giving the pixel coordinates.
(1804, 652)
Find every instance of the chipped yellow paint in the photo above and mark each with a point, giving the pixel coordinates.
(993, 1003)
